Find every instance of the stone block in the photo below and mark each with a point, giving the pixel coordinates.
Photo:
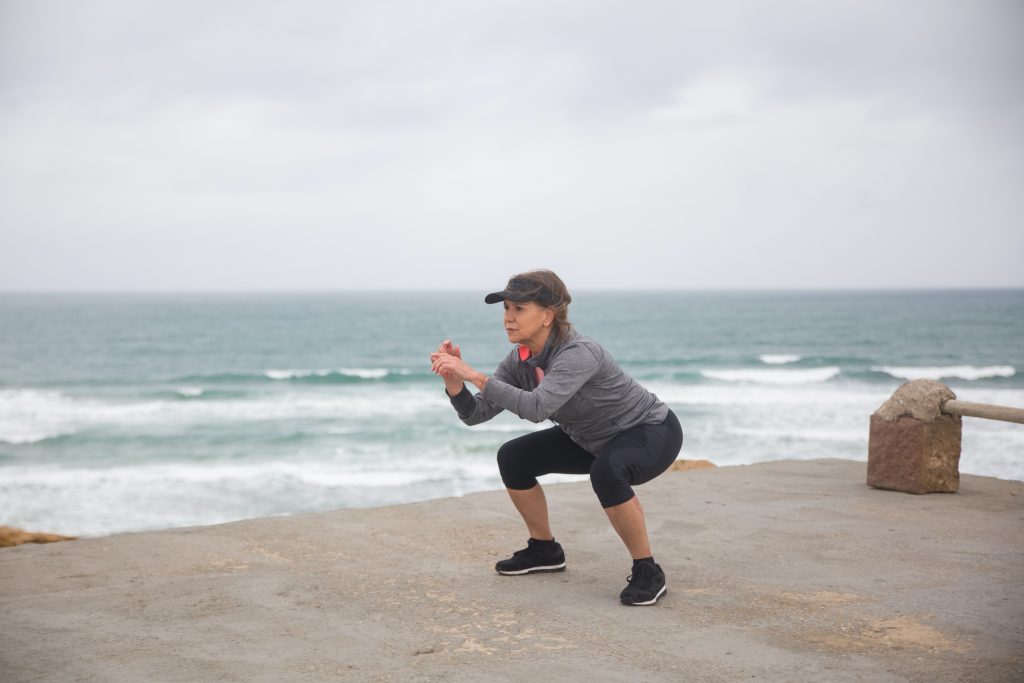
(909, 455)
(913, 446)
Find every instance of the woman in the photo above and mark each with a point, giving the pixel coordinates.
(609, 426)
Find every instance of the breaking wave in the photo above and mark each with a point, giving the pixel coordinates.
(764, 376)
(968, 372)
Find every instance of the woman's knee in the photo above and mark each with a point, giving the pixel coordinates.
(512, 468)
(610, 484)
(506, 457)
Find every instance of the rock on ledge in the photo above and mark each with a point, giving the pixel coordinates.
(921, 399)
(686, 465)
(9, 536)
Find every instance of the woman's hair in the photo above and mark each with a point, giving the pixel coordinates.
(561, 301)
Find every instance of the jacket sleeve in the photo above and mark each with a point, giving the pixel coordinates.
(569, 371)
(474, 408)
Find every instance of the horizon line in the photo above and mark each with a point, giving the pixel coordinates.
(441, 290)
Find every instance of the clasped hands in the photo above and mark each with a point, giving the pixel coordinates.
(447, 362)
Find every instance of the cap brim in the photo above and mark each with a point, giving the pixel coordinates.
(494, 297)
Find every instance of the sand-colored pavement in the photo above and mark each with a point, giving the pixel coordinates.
(783, 571)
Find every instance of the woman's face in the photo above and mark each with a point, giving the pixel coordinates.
(527, 323)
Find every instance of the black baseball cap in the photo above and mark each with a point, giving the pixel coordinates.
(520, 290)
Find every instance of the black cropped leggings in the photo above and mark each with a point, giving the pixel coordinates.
(634, 457)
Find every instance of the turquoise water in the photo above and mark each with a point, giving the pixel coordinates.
(124, 412)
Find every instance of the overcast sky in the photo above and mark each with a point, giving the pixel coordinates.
(337, 145)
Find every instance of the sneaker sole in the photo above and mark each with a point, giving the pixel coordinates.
(648, 602)
(531, 570)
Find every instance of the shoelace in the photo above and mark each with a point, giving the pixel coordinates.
(528, 548)
(642, 571)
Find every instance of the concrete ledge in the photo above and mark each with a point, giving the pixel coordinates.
(783, 571)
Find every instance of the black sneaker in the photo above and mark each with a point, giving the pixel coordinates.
(537, 556)
(646, 585)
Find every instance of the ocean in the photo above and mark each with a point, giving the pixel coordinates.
(129, 412)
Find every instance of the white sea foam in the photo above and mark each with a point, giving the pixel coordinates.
(361, 373)
(250, 475)
(738, 396)
(29, 416)
(786, 432)
(88, 501)
(993, 449)
(758, 376)
(280, 374)
(520, 426)
(294, 374)
(779, 358)
(190, 392)
(365, 373)
(968, 372)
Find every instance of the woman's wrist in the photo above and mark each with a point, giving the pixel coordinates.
(479, 379)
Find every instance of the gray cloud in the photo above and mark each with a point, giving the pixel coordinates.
(334, 145)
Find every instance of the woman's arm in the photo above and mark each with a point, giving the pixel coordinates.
(568, 372)
(472, 408)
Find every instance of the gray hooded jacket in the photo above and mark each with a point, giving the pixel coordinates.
(584, 391)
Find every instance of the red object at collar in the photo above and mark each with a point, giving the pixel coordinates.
(525, 353)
